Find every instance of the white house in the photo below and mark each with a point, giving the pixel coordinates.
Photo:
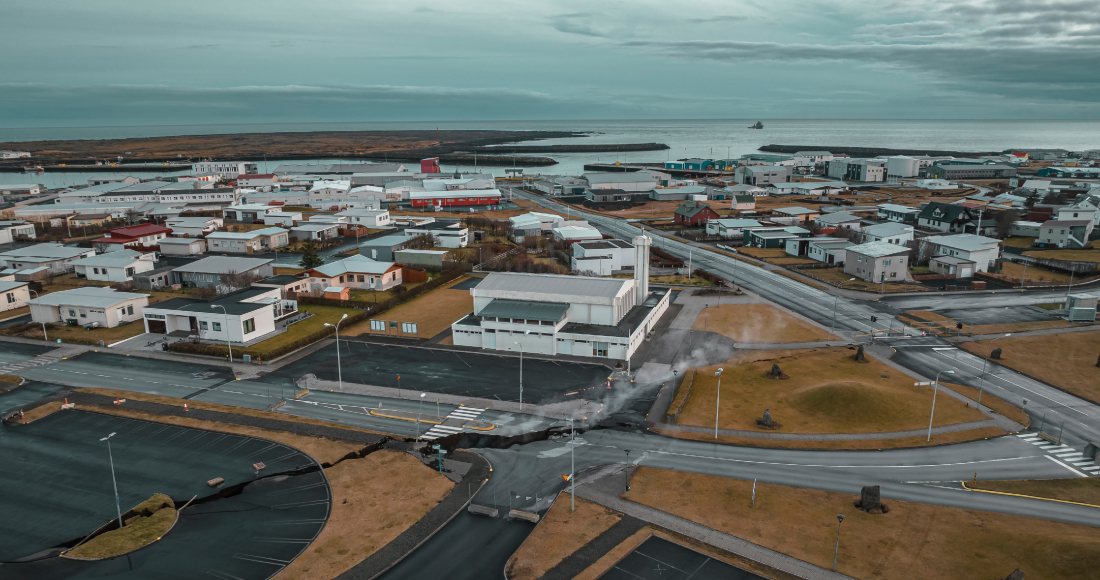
(839, 219)
(449, 235)
(262, 240)
(22, 189)
(573, 315)
(357, 272)
(16, 295)
(877, 261)
(9, 154)
(981, 250)
(730, 227)
(193, 226)
(282, 218)
(89, 304)
(248, 212)
(54, 256)
(828, 250)
(182, 246)
(227, 169)
(894, 233)
(118, 266)
(246, 316)
(10, 230)
(368, 218)
(315, 231)
(602, 257)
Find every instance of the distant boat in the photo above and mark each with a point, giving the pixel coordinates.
(33, 169)
(758, 125)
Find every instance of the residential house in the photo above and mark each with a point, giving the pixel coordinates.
(893, 233)
(89, 304)
(368, 218)
(133, 237)
(11, 230)
(1071, 234)
(243, 317)
(981, 250)
(828, 250)
(446, 235)
(262, 240)
(602, 257)
(81, 220)
(694, 214)
(282, 218)
(944, 217)
(773, 237)
(744, 202)
(797, 212)
(840, 219)
(16, 295)
(182, 246)
(117, 266)
(193, 226)
(898, 213)
(357, 272)
(315, 231)
(877, 261)
(55, 257)
(952, 266)
(212, 271)
(289, 286)
(730, 228)
(248, 212)
(153, 279)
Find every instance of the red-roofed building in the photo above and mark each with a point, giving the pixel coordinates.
(256, 180)
(135, 237)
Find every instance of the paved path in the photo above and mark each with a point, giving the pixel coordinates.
(605, 491)
(830, 436)
(1043, 332)
(572, 565)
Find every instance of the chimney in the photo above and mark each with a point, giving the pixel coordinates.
(641, 268)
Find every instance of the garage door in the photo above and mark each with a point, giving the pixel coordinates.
(158, 327)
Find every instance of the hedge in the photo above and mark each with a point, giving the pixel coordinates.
(366, 310)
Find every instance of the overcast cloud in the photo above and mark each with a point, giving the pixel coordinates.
(112, 62)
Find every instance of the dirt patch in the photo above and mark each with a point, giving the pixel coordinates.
(40, 412)
(1067, 361)
(433, 312)
(899, 443)
(560, 533)
(1078, 490)
(827, 392)
(375, 499)
(941, 542)
(757, 323)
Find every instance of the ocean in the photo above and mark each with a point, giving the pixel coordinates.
(687, 138)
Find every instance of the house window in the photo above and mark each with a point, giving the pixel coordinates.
(83, 313)
(203, 325)
(11, 297)
(886, 262)
(72, 312)
(217, 326)
(250, 325)
(360, 277)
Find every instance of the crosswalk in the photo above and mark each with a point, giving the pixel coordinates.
(460, 415)
(1063, 453)
(38, 361)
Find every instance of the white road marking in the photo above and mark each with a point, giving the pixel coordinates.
(1066, 466)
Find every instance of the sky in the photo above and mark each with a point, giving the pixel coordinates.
(110, 62)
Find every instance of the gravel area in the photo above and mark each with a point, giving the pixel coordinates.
(579, 561)
(409, 540)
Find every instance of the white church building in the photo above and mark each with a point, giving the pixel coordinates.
(573, 315)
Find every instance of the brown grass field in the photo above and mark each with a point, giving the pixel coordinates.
(1067, 361)
(1078, 490)
(560, 533)
(375, 499)
(947, 325)
(1087, 255)
(762, 253)
(828, 392)
(941, 542)
(757, 323)
(433, 312)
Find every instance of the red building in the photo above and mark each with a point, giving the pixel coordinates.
(429, 165)
(455, 197)
(135, 237)
(694, 213)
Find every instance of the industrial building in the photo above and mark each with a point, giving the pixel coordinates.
(461, 197)
(226, 169)
(602, 257)
(573, 315)
(970, 171)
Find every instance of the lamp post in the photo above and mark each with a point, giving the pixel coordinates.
(339, 370)
(935, 390)
(835, 300)
(114, 481)
(717, 401)
(572, 467)
(706, 312)
(419, 406)
(981, 382)
(840, 522)
(225, 327)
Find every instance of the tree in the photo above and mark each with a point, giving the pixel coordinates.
(235, 280)
(1004, 221)
(101, 248)
(311, 257)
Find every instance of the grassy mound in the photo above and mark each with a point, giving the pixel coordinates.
(145, 524)
(848, 401)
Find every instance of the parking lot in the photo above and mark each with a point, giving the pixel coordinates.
(451, 372)
(660, 559)
(58, 488)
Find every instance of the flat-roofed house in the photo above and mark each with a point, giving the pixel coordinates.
(282, 218)
(243, 317)
(248, 212)
(55, 257)
(262, 240)
(602, 257)
(117, 266)
(193, 226)
(109, 308)
(367, 218)
(11, 230)
(315, 231)
(731, 228)
(212, 271)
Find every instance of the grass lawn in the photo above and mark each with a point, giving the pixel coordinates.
(560, 533)
(433, 312)
(288, 271)
(761, 253)
(322, 314)
(137, 532)
(1078, 490)
(787, 261)
(68, 333)
(376, 498)
(835, 276)
(1016, 242)
(947, 326)
(940, 542)
(681, 280)
(1014, 270)
(827, 392)
(1072, 255)
(757, 323)
(1067, 361)
(15, 313)
(855, 444)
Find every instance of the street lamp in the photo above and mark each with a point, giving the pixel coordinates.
(114, 482)
(572, 466)
(835, 300)
(840, 521)
(419, 406)
(935, 389)
(339, 371)
(225, 323)
(981, 382)
(717, 400)
(706, 312)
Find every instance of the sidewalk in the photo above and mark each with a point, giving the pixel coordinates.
(605, 491)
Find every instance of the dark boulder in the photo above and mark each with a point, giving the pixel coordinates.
(996, 354)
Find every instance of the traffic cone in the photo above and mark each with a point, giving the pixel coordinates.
(117, 401)
(185, 407)
(66, 400)
(21, 416)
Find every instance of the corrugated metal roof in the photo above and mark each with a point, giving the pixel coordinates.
(524, 309)
(878, 249)
(89, 296)
(223, 265)
(356, 264)
(552, 284)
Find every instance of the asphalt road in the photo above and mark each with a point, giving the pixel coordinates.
(128, 373)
